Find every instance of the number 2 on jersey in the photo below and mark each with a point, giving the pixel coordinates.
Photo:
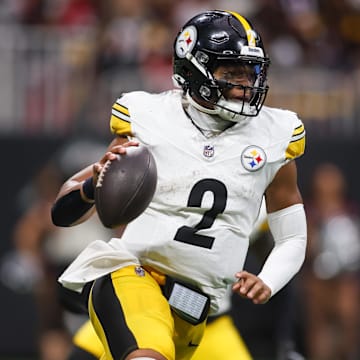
(189, 234)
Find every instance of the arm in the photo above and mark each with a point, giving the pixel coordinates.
(75, 201)
(287, 223)
(283, 191)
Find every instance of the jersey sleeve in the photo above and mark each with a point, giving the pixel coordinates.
(296, 145)
(120, 120)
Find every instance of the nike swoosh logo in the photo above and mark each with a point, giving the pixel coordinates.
(190, 344)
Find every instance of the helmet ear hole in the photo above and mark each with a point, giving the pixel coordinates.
(205, 92)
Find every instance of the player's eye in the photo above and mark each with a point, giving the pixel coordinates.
(239, 74)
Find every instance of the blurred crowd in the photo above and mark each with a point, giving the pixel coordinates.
(330, 281)
(124, 45)
(107, 47)
(40, 251)
(312, 32)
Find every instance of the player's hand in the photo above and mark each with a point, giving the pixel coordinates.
(111, 154)
(251, 287)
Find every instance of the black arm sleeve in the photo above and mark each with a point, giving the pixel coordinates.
(69, 208)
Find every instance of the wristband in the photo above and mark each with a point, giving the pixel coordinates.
(68, 209)
(87, 190)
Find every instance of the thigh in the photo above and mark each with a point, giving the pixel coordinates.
(187, 337)
(222, 341)
(129, 312)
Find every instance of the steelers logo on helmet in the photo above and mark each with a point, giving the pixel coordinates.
(253, 158)
(186, 41)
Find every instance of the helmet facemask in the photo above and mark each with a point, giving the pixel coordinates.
(250, 97)
(197, 58)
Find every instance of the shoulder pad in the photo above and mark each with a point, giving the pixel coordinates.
(296, 145)
(120, 121)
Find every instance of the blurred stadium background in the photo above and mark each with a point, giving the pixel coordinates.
(63, 63)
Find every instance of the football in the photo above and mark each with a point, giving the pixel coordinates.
(125, 186)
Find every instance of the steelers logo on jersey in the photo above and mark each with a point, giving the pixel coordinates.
(253, 158)
(186, 41)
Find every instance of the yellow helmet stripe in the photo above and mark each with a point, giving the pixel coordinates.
(247, 27)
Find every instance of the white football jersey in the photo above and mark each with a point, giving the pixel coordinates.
(208, 195)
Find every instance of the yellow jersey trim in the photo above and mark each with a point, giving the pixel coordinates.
(296, 146)
(122, 109)
(120, 121)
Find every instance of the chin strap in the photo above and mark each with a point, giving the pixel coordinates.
(227, 110)
(230, 110)
(199, 107)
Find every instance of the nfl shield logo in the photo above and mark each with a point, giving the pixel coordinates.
(139, 271)
(208, 151)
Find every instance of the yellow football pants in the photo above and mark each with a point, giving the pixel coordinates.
(221, 341)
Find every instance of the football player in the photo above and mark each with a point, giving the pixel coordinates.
(218, 152)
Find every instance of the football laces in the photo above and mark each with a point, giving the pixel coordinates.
(102, 174)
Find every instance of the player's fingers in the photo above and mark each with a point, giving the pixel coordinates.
(98, 166)
(262, 295)
(251, 287)
(121, 149)
(244, 276)
(109, 155)
(247, 286)
(237, 285)
(131, 143)
(245, 283)
(255, 291)
(96, 171)
(112, 155)
(241, 276)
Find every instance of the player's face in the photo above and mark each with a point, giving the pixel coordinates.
(236, 74)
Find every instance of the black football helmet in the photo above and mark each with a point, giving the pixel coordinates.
(208, 40)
